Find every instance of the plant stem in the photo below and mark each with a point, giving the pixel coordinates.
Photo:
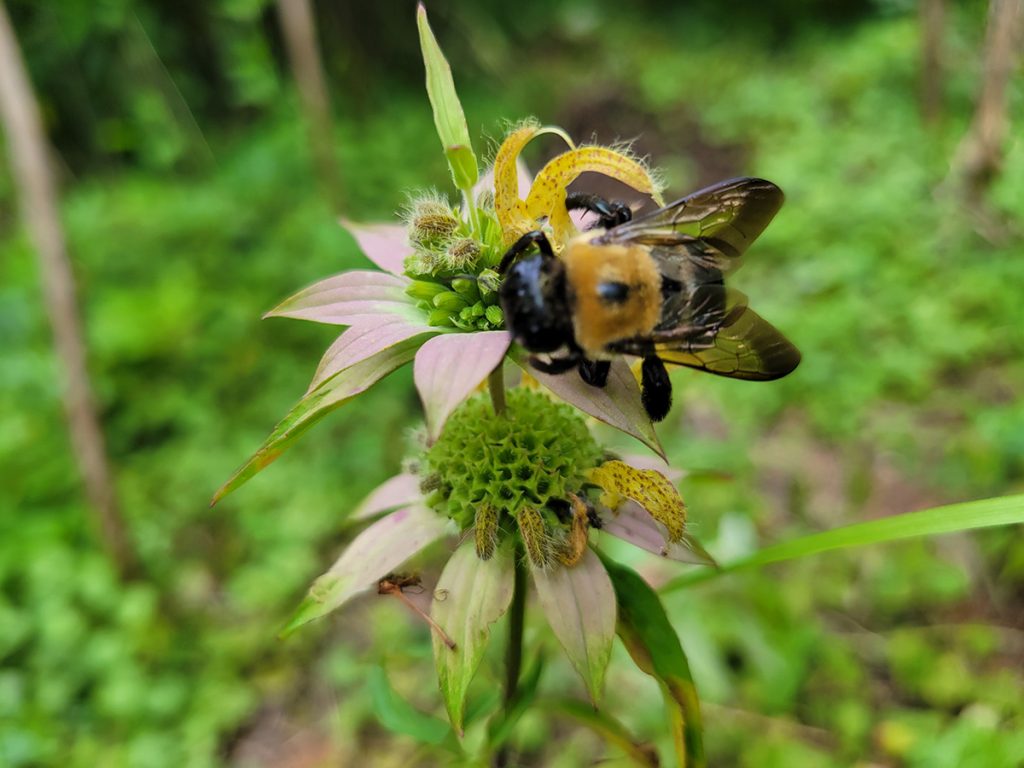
(474, 217)
(514, 650)
(516, 615)
(496, 383)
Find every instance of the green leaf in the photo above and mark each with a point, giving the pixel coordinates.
(610, 729)
(648, 635)
(965, 516)
(448, 115)
(331, 394)
(471, 595)
(579, 603)
(399, 716)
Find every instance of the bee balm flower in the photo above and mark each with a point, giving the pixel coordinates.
(530, 483)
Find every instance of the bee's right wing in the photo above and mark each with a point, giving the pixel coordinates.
(709, 229)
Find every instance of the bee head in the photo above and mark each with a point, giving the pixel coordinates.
(533, 298)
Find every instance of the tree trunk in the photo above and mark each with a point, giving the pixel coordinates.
(298, 27)
(979, 157)
(932, 15)
(36, 187)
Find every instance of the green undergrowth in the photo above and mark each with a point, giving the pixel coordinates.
(909, 321)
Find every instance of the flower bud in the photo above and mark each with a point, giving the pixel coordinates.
(440, 318)
(535, 457)
(424, 290)
(431, 221)
(449, 301)
(467, 288)
(488, 281)
(462, 254)
(494, 315)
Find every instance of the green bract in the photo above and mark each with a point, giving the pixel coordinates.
(531, 458)
(449, 118)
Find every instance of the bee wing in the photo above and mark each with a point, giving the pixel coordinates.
(710, 228)
(719, 334)
(704, 324)
(746, 347)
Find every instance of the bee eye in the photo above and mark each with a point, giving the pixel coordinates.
(613, 292)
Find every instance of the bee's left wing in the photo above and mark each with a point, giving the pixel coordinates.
(721, 335)
(746, 347)
(710, 228)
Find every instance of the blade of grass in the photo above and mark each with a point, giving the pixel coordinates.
(965, 516)
(606, 726)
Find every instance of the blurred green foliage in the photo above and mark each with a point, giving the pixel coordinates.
(191, 207)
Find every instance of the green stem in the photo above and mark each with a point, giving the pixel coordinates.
(496, 383)
(514, 650)
(516, 616)
(474, 217)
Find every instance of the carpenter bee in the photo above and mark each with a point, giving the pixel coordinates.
(651, 287)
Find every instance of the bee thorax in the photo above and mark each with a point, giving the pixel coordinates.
(614, 293)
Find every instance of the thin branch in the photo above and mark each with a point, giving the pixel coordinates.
(979, 157)
(298, 27)
(37, 191)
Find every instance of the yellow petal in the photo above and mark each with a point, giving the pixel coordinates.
(509, 208)
(547, 195)
(648, 488)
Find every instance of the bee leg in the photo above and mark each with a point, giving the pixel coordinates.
(522, 245)
(610, 214)
(655, 388)
(555, 366)
(594, 372)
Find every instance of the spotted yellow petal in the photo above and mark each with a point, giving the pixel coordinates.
(509, 208)
(648, 488)
(547, 195)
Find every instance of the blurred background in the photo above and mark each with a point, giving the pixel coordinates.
(202, 153)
